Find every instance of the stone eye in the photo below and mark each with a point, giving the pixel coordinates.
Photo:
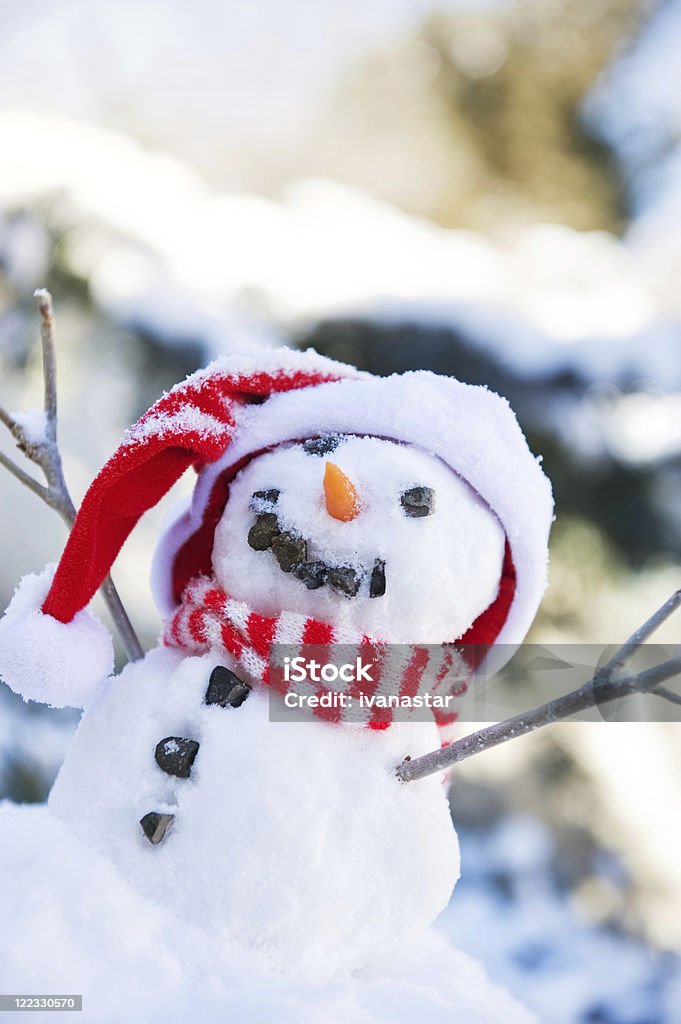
(418, 502)
(322, 445)
(262, 501)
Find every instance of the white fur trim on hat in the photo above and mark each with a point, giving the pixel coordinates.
(56, 663)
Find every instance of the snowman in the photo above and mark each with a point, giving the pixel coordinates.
(331, 507)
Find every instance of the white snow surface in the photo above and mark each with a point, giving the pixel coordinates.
(33, 422)
(461, 544)
(85, 929)
(281, 363)
(57, 663)
(292, 838)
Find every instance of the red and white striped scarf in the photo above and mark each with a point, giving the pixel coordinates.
(208, 619)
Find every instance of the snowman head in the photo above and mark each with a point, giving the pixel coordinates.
(365, 533)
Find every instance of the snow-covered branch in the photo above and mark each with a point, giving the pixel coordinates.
(38, 442)
(605, 686)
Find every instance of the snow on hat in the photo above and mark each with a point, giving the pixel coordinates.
(216, 421)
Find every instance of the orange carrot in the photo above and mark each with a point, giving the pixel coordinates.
(340, 494)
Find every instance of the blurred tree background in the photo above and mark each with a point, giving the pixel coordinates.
(489, 190)
(475, 120)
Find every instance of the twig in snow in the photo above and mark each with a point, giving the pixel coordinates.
(603, 687)
(44, 452)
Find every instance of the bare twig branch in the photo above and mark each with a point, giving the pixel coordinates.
(640, 635)
(119, 615)
(664, 691)
(44, 452)
(49, 360)
(601, 689)
(25, 478)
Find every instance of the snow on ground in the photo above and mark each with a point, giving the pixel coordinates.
(78, 927)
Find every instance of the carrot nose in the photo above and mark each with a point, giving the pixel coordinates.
(340, 494)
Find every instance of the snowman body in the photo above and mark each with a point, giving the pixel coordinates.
(295, 837)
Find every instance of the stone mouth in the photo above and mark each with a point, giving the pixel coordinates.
(290, 551)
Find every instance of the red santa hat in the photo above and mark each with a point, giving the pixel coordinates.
(52, 650)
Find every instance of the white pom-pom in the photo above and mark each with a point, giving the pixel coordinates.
(56, 663)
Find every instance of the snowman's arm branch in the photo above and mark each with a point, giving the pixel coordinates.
(44, 452)
(603, 687)
(664, 691)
